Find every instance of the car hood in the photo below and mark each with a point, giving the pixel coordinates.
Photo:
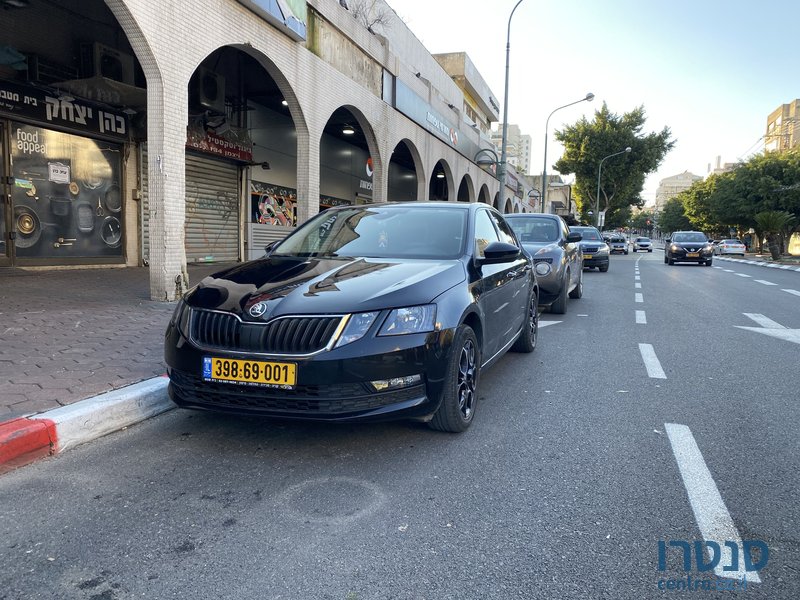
(591, 244)
(691, 246)
(301, 285)
(534, 247)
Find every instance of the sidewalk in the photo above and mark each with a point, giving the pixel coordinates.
(70, 335)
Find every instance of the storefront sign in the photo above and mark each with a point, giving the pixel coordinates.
(22, 101)
(213, 144)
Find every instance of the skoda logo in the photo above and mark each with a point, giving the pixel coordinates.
(258, 309)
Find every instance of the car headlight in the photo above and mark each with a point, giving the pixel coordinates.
(180, 318)
(708, 249)
(674, 248)
(603, 249)
(357, 326)
(542, 268)
(411, 319)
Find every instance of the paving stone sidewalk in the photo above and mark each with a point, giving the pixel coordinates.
(67, 335)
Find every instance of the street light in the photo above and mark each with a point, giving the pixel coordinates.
(587, 98)
(599, 171)
(502, 170)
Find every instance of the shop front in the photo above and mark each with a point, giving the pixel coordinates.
(61, 170)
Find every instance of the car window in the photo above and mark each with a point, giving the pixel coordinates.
(485, 233)
(506, 235)
(642, 239)
(535, 230)
(381, 232)
(590, 234)
(689, 237)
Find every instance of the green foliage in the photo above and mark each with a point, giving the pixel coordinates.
(768, 182)
(773, 223)
(673, 217)
(586, 143)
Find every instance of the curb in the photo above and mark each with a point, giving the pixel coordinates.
(24, 440)
(761, 263)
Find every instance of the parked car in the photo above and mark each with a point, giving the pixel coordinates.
(595, 251)
(556, 254)
(731, 246)
(617, 243)
(368, 312)
(643, 243)
(688, 246)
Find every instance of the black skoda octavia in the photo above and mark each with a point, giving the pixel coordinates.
(364, 313)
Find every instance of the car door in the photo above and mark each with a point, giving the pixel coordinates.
(495, 283)
(572, 255)
(518, 278)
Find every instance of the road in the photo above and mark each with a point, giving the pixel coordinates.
(662, 407)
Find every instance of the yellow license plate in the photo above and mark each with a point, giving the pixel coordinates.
(251, 372)
(587, 257)
(692, 254)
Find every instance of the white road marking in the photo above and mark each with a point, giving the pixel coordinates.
(641, 317)
(638, 286)
(764, 282)
(728, 270)
(639, 298)
(637, 278)
(764, 321)
(795, 292)
(742, 275)
(716, 267)
(651, 363)
(546, 323)
(710, 512)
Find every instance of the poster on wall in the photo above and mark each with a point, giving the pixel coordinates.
(66, 195)
(273, 204)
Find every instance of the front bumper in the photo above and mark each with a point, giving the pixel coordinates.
(595, 260)
(331, 386)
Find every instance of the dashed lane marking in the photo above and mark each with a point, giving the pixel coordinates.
(794, 292)
(742, 275)
(651, 363)
(639, 298)
(641, 317)
(761, 281)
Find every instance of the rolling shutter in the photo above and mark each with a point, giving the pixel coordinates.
(212, 209)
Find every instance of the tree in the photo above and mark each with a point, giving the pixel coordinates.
(586, 143)
(370, 13)
(673, 216)
(773, 224)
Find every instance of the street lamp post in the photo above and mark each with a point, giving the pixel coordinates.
(587, 98)
(502, 167)
(599, 171)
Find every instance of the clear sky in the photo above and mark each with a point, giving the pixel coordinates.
(710, 70)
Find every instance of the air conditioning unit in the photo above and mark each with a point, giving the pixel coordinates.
(99, 60)
(207, 90)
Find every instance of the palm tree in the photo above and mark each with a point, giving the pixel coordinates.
(772, 223)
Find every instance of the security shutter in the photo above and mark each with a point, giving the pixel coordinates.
(212, 209)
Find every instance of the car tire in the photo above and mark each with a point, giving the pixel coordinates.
(650, 250)
(670, 262)
(559, 305)
(577, 291)
(665, 260)
(603, 269)
(626, 253)
(526, 342)
(460, 394)
(708, 262)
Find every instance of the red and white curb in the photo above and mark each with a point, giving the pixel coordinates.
(761, 263)
(26, 439)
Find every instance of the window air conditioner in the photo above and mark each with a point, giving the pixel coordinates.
(207, 90)
(99, 60)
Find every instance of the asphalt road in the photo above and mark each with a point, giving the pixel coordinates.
(649, 413)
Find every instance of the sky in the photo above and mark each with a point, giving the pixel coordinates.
(710, 71)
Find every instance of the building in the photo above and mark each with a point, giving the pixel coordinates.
(518, 147)
(670, 187)
(480, 108)
(783, 128)
(130, 139)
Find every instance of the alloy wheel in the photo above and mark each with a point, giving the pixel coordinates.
(466, 383)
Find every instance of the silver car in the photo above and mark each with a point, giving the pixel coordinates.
(556, 257)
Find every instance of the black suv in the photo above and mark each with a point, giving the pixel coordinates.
(688, 246)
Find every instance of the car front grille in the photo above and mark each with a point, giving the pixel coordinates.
(337, 398)
(284, 335)
(549, 261)
(589, 250)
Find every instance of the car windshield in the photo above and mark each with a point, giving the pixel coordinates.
(737, 242)
(642, 239)
(589, 234)
(534, 229)
(381, 232)
(691, 236)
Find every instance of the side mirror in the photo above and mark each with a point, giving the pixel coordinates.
(668, 240)
(574, 237)
(270, 247)
(500, 252)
